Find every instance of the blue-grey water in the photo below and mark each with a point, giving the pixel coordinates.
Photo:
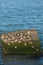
(19, 15)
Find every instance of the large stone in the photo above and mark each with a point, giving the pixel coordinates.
(24, 42)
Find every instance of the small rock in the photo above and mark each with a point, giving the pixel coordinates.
(5, 40)
(16, 40)
(25, 44)
(37, 49)
(28, 32)
(2, 34)
(21, 38)
(21, 33)
(30, 39)
(12, 41)
(12, 37)
(30, 42)
(9, 34)
(2, 37)
(9, 38)
(9, 44)
(28, 36)
(19, 41)
(24, 37)
(15, 47)
(32, 46)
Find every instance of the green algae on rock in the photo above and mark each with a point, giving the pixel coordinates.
(21, 42)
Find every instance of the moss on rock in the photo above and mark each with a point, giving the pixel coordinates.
(27, 46)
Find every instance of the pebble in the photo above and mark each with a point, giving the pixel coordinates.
(32, 46)
(12, 41)
(25, 44)
(28, 36)
(5, 40)
(21, 38)
(9, 44)
(16, 40)
(12, 37)
(37, 49)
(19, 41)
(21, 33)
(28, 32)
(2, 37)
(30, 42)
(15, 47)
(9, 34)
(24, 37)
(30, 39)
(9, 38)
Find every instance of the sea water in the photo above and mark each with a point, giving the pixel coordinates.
(22, 15)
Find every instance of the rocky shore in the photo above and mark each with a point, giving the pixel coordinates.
(26, 35)
(21, 42)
